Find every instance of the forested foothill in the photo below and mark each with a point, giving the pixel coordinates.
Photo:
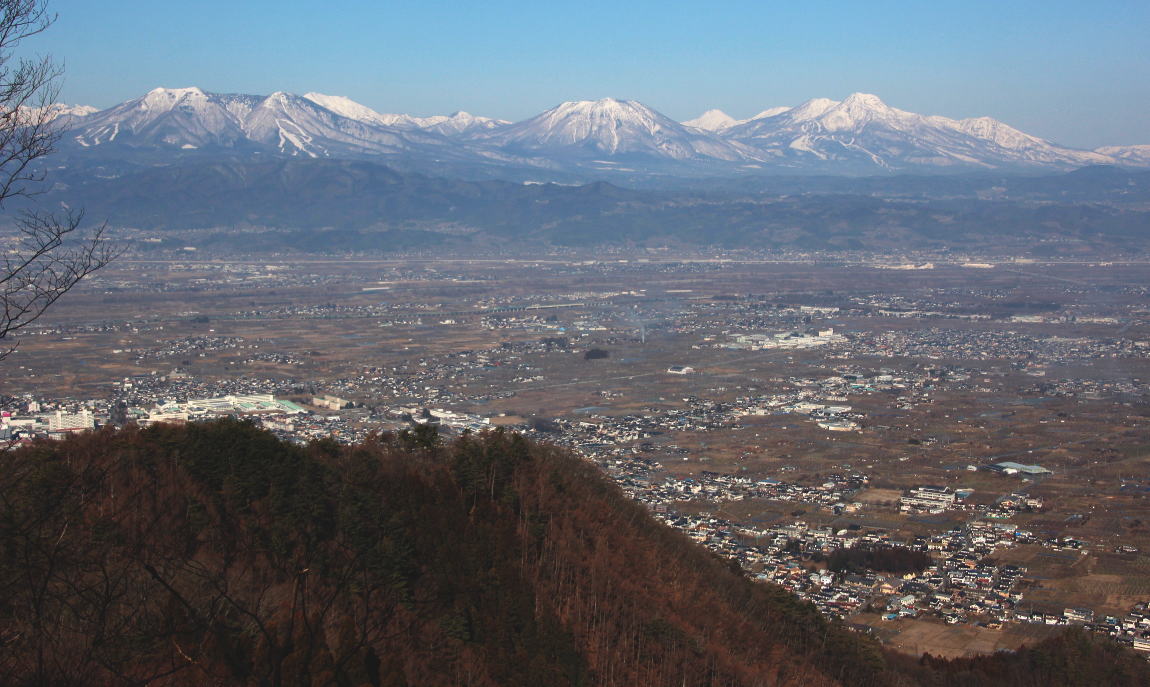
(215, 553)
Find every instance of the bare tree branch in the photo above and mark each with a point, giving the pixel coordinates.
(48, 253)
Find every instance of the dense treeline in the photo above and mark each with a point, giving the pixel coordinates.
(1073, 658)
(879, 557)
(216, 554)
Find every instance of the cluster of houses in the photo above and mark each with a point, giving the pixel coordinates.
(963, 583)
(959, 586)
(188, 347)
(1132, 630)
(992, 344)
(834, 492)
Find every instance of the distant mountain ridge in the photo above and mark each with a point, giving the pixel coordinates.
(858, 135)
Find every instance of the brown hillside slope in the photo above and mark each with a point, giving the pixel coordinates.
(216, 554)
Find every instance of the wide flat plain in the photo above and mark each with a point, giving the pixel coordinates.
(1031, 362)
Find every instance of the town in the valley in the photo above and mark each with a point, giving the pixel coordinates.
(949, 452)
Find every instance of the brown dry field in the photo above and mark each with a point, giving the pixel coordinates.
(927, 635)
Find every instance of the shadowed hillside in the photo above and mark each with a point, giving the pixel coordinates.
(216, 554)
(340, 206)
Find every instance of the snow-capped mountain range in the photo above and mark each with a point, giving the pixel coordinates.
(863, 128)
(613, 128)
(458, 123)
(189, 119)
(859, 134)
(55, 111)
(1137, 155)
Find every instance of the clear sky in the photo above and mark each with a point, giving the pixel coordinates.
(1076, 72)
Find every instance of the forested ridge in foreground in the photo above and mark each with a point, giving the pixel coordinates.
(215, 554)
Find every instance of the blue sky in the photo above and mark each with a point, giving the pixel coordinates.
(1075, 72)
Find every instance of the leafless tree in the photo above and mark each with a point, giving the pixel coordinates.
(46, 254)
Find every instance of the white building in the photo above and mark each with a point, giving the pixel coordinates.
(70, 422)
(929, 499)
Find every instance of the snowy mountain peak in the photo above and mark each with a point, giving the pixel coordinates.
(579, 119)
(815, 107)
(346, 107)
(160, 100)
(75, 110)
(995, 131)
(462, 123)
(466, 118)
(712, 120)
(171, 96)
(858, 109)
(864, 101)
(770, 112)
(175, 92)
(601, 106)
(283, 100)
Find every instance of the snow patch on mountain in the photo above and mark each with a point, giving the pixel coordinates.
(464, 123)
(718, 121)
